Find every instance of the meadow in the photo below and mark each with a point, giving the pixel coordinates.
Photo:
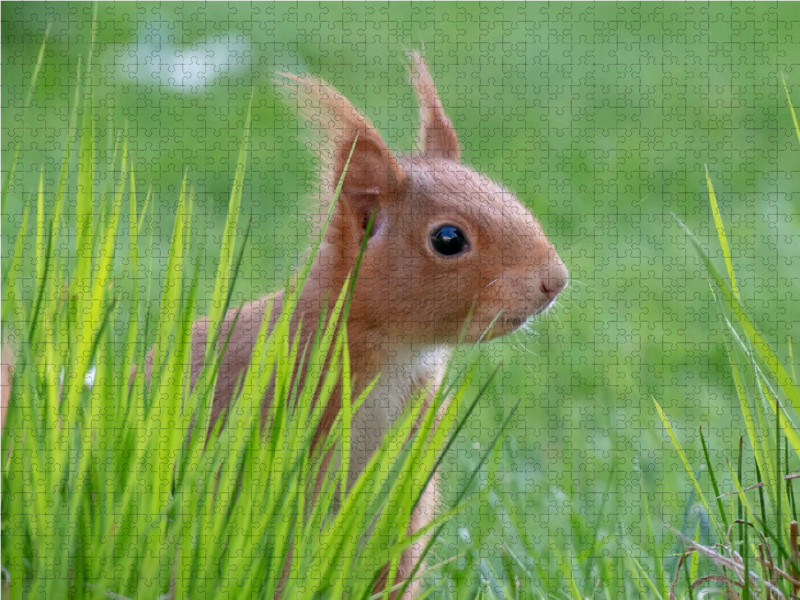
(603, 120)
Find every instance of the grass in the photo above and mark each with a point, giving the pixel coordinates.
(756, 553)
(584, 498)
(119, 490)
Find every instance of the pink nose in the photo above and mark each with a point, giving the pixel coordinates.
(552, 285)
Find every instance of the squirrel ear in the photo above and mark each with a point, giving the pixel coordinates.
(373, 175)
(436, 135)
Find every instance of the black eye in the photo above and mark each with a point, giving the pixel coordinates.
(448, 240)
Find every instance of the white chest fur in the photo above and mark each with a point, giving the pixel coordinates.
(408, 369)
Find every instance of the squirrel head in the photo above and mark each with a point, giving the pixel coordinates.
(449, 249)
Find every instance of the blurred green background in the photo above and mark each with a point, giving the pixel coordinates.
(600, 117)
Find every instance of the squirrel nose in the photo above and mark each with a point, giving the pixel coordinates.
(555, 281)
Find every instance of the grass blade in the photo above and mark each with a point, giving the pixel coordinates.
(791, 107)
(677, 445)
(773, 363)
(723, 239)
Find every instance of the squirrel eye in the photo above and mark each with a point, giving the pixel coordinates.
(448, 240)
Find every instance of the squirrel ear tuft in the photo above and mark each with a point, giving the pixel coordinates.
(436, 134)
(373, 175)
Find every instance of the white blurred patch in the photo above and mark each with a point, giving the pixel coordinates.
(184, 67)
(88, 380)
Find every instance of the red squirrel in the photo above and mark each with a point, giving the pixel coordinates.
(449, 249)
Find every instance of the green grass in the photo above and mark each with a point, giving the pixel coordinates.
(756, 553)
(118, 489)
(603, 132)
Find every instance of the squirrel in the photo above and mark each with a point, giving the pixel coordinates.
(448, 250)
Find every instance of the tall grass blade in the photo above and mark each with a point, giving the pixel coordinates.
(741, 495)
(677, 445)
(791, 106)
(84, 208)
(173, 281)
(223, 283)
(754, 435)
(491, 449)
(25, 107)
(65, 161)
(713, 478)
(723, 239)
(653, 547)
(41, 234)
(785, 382)
(643, 575)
